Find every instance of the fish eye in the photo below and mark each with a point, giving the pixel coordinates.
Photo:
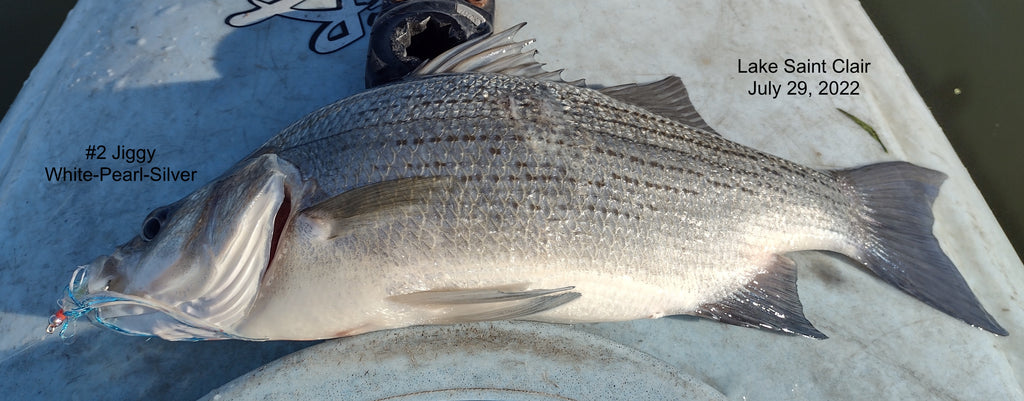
(153, 223)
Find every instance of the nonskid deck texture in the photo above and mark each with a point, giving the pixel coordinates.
(206, 104)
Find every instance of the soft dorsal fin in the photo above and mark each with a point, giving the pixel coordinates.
(497, 53)
(769, 301)
(373, 202)
(667, 97)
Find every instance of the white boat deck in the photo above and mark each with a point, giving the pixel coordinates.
(175, 78)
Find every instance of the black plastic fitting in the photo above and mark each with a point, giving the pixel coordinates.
(407, 33)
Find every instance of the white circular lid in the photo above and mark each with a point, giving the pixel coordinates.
(481, 361)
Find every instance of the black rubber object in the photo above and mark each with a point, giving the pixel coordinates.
(407, 33)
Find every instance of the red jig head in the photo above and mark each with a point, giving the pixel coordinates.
(58, 319)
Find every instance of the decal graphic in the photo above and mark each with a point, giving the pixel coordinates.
(340, 26)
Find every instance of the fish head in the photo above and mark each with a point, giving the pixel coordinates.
(194, 269)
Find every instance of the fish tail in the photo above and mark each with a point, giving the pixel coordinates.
(897, 244)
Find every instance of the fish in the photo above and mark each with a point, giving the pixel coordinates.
(484, 187)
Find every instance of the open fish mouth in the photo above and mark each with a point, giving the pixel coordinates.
(185, 281)
(128, 314)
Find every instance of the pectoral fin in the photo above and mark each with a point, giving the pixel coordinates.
(375, 202)
(769, 301)
(483, 304)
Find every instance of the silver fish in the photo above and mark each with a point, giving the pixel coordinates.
(485, 188)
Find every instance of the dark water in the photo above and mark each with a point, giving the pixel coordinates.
(26, 28)
(958, 46)
(973, 46)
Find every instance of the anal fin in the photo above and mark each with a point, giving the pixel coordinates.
(769, 302)
(484, 304)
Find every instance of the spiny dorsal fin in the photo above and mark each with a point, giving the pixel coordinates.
(769, 301)
(667, 98)
(483, 304)
(372, 202)
(498, 53)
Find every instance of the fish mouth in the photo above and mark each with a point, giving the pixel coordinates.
(131, 314)
(202, 286)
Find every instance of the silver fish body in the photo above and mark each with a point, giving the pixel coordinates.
(479, 195)
(544, 184)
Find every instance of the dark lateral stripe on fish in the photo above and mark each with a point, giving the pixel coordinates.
(640, 160)
(654, 126)
(585, 205)
(707, 143)
(628, 180)
(635, 158)
(708, 147)
(545, 177)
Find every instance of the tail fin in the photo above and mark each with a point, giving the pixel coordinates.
(898, 244)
